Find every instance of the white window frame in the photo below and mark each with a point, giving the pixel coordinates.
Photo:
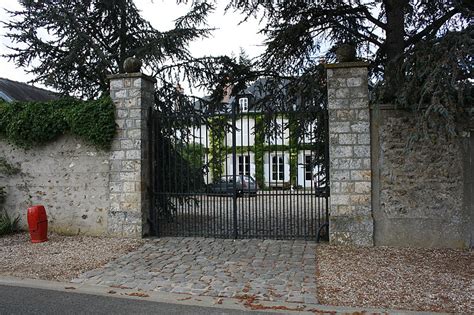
(280, 167)
(308, 169)
(243, 162)
(244, 104)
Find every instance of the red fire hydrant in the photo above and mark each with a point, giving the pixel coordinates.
(38, 224)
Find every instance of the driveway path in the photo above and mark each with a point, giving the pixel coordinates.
(269, 270)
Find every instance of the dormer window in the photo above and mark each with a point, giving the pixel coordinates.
(244, 104)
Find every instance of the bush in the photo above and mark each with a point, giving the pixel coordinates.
(7, 224)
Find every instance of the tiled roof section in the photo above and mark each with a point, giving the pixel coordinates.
(19, 91)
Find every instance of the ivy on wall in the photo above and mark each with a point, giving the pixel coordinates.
(294, 147)
(259, 152)
(217, 149)
(34, 123)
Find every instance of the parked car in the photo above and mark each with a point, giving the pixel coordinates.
(245, 184)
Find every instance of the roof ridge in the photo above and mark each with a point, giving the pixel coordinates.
(30, 85)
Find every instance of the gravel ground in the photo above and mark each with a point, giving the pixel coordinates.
(399, 278)
(61, 258)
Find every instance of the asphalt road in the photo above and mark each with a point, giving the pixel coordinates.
(21, 300)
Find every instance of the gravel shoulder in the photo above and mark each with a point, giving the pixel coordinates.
(61, 258)
(440, 280)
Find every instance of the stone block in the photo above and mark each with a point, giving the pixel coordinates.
(337, 200)
(340, 210)
(363, 138)
(133, 165)
(340, 104)
(116, 85)
(131, 103)
(120, 94)
(339, 175)
(133, 154)
(135, 113)
(347, 138)
(351, 230)
(127, 83)
(340, 127)
(346, 163)
(347, 187)
(122, 113)
(115, 187)
(130, 176)
(134, 133)
(359, 103)
(354, 82)
(137, 83)
(342, 92)
(129, 187)
(360, 127)
(363, 115)
(118, 155)
(362, 93)
(360, 200)
(362, 151)
(345, 115)
(341, 152)
(360, 175)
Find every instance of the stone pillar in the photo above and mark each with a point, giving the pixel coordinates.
(351, 221)
(132, 94)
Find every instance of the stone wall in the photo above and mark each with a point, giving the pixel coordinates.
(133, 95)
(351, 221)
(86, 191)
(68, 177)
(421, 195)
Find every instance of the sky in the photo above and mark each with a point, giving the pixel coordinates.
(227, 39)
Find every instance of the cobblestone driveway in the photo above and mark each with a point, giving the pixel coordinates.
(282, 271)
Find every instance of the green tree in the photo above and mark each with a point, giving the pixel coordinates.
(420, 52)
(72, 46)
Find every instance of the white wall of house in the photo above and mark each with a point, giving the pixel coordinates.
(245, 133)
(199, 135)
(282, 137)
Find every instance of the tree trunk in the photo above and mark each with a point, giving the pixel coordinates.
(394, 44)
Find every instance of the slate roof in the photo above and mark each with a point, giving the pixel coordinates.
(18, 91)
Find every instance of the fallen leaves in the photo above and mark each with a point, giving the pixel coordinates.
(138, 294)
(433, 280)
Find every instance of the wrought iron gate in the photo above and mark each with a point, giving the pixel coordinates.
(240, 173)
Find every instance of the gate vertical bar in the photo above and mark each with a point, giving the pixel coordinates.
(234, 169)
(151, 160)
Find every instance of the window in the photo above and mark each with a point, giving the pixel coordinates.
(308, 170)
(244, 165)
(278, 167)
(244, 104)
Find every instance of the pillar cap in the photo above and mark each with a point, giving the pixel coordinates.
(353, 64)
(131, 75)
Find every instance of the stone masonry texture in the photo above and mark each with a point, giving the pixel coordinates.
(351, 221)
(423, 200)
(268, 270)
(133, 95)
(70, 178)
(85, 190)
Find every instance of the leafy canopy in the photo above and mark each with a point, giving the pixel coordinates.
(420, 52)
(73, 45)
